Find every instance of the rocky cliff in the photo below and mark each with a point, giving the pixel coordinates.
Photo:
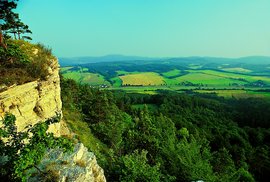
(37, 101)
(34, 101)
(79, 166)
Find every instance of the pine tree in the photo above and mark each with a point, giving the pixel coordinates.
(10, 23)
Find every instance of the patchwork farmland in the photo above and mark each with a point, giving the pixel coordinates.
(224, 80)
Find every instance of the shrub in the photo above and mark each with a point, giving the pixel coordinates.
(19, 152)
(23, 62)
(14, 56)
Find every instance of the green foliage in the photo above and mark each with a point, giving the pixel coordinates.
(223, 165)
(185, 138)
(23, 62)
(10, 23)
(23, 150)
(194, 160)
(243, 175)
(40, 63)
(13, 56)
(76, 124)
(135, 168)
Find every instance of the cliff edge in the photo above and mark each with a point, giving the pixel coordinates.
(34, 101)
(37, 101)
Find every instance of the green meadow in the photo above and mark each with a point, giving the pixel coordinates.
(224, 80)
(86, 78)
(208, 79)
(237, 70)
(171, 73)
(235, 76)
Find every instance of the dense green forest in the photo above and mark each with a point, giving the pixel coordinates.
(171, 136)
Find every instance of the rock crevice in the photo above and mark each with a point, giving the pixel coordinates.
(34, 101)
(37, 101)
(79, 166)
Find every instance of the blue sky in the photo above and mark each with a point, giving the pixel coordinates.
(153, 28)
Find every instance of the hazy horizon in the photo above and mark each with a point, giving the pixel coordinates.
(154, 28)
(162, 57)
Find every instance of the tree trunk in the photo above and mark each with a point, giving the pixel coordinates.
(2, 44)
(19, 35)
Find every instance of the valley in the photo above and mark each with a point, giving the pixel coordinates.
(226, 77)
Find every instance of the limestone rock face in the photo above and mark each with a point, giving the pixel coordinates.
(34, 101)
(78, 166)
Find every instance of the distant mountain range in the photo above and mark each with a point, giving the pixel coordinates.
(108, 58)
(119, 58)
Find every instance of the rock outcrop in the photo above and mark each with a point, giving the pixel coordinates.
(79, 166)
(34, 101)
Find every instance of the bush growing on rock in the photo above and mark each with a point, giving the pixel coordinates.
(22, 151)
(23, 62)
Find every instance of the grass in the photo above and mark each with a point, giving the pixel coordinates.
(83, 132)
(73, 75)
(148, 92)
(117, 82)
(207, 79)
(169, 81)
(146, 78)
(259, 94)
(225, 93)
(212, 81)
(84, 69)
(121, 72)
(194, 66)
(237, 70)
(86, 77)
(63, 69)
(23, 62)
(237, 93)
(171, 73)
(248, 78)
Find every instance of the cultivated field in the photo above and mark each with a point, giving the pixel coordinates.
(144, 79)
(87, 78)
(236, 93)
(209, 80)
(222, 79)
(235, 76)
(237, 70)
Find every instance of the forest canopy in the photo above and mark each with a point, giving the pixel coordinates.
(171, 136)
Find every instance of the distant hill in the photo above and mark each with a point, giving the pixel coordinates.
(246, 60)
(186, 60)
(109, 58)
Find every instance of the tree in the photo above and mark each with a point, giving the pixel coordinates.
(14, 26)
(5, 9)
(10, 23)
(20, 152)
(135, 167)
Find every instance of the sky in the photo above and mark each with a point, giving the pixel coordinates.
(152, 28)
